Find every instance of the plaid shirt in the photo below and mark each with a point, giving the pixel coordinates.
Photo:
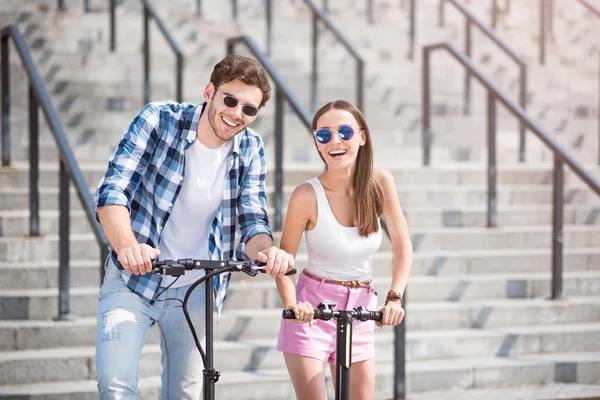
(146, 172)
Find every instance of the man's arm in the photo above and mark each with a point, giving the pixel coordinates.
(255, 233)
(134, 257)
(113, 196)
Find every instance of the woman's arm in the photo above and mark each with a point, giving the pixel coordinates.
(299, 217)
(401, 243)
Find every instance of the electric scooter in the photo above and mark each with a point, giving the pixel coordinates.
(343, 353)
(212, 268)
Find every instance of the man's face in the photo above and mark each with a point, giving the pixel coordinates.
(227, 121)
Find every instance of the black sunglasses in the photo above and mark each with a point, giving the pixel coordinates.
(231, 102)
(345, 132)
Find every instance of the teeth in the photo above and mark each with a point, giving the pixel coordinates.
(230, 123)
(337, 153)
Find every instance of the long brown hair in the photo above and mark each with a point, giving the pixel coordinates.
(367, 192)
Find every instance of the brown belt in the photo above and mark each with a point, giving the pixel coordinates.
(343, 283)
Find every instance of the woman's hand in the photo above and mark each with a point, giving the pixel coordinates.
(393, 314)
(304, 312)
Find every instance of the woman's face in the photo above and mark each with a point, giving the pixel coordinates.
(339, 153)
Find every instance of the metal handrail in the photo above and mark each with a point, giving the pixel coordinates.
(86, 5)
(69, 169)
(471, 19)
(320, 15)
(399, 342)
(546, 13)
(150, 13)
(282, 92)
(561, 156)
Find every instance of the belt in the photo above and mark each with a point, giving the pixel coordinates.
(353, 284)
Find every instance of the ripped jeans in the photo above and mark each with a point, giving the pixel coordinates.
(124, 321)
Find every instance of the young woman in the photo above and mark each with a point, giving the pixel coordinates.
(338, 212)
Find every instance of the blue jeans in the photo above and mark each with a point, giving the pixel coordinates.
(124, 321)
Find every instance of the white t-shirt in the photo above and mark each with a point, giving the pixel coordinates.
(185, 234)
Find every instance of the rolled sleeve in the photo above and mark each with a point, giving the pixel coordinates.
(252, 203)
(127, 164)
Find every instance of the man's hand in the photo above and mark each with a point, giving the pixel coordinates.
(393, 314)
(137, 259)
(278, 261)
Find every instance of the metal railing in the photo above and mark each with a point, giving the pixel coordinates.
(546, 18)
(282, 93)
(320, 15)
(561, 157)
(86, 5)
(399, 342)
(68, 170)
(471, 19)
(150, 13)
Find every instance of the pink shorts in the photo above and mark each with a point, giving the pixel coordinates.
(319, 340)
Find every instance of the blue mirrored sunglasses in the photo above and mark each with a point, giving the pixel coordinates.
(344, 132)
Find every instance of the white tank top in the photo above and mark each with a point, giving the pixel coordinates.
(336, 251)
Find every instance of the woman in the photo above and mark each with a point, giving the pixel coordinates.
(339, 212)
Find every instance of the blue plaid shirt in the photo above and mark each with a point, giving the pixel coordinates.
(146, 172)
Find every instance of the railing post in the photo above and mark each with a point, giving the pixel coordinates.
(360, 76)
(507, 6)
(5, 82)
(326, 6)
(279, 111)
(61, 5)
(400, 357)
(113, 6)
(146, 55)
(557, 228)
(315, 42)
(411, 47)
(441, 16)
(64, 278)
(542, 32)
(550, 15)
(491, 171)
(103, 256)
(523, 103)
(198, 8)
(467, 105)
(370, 11)
(402, 4)
(426, 107)
(34, 164)
(234, 9)
(269, 17)
(86, 5)
(494, 14)
(179, 62)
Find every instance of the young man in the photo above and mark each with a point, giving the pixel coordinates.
(176, 185)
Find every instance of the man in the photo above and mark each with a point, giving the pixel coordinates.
(176, 185)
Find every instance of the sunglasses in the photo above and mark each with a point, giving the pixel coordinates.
(344, 132)
(231, 102)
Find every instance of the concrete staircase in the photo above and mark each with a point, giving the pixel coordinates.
(478, 313)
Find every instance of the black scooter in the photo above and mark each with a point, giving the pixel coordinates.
(343, 353)
(212, 268)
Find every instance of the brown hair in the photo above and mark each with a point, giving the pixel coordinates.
(246, 70)
(367, 192)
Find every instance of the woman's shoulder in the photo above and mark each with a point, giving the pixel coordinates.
(383, 177)
(304, 192)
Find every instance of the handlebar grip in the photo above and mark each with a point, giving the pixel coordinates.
(288, 314)
(376, 315)
(291, 272)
